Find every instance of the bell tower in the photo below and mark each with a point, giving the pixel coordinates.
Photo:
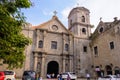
(79, 25)
(79, 22)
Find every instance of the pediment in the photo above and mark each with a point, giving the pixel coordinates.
(103, 27)
(99, 30)
(53, 25)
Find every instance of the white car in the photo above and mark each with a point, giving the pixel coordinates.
(71, 75)
(109, 77)
(9, 75)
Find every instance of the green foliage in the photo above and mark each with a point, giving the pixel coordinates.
(12, 41)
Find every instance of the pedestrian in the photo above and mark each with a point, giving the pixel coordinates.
(68, 77)
(60, 77)
(48, 76)
(52, 75)
(88, 76)
(40, 78)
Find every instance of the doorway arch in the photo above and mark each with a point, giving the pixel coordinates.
(53, 68)
(108, 69)
(116, 70)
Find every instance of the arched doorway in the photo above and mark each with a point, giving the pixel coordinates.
(53, 68)
(116, 70)
(108, 70)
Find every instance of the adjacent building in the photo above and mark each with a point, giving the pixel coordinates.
(105, 47)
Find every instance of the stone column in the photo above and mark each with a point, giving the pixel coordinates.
(43, 66)
(35, 61)
(70, 66)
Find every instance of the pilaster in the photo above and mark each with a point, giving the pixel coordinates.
(43, 66)
(35, 61)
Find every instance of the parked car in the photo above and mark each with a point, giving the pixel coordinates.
(109, 77)
(70, 74)
(2, 75)
(10, 75)
(29, 75)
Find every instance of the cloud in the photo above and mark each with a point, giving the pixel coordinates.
(47, 13)
(65, 12)
(107, 9)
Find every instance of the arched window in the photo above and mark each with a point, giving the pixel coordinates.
(83, 19)
(101, 30)
(84, 30)
(66, 47)
(40, 45)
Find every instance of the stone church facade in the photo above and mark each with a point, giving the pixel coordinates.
(56, 49)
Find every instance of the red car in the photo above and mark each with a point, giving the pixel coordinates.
(2, 75)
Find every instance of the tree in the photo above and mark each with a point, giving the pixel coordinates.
(12, 41)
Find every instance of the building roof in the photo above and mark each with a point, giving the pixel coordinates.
(78, 8)
(106, 26)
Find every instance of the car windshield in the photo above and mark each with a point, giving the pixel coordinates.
(30, 73)
(9, 72)
(72, 73)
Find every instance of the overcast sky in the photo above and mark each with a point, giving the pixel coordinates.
(42, 10)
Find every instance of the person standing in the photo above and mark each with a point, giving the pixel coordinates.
(60, 77)
(40, 78)
(88, 76)
(48, 76)
(68, 77)
(52, 75)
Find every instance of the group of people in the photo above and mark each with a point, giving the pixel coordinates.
(60, 77)
(50, 75)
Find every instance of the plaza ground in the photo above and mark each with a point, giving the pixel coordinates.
(57, 79)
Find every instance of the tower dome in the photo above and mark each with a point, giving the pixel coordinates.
(79, 15)
(79, 22)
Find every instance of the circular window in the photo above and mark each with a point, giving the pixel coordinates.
(54, 27)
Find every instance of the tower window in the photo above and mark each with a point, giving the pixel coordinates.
(96, 50)
(84, 48)
(40, 45)
(84, 30)
(53, 45)
(66, 47)
(83, 19)
(111, 45)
